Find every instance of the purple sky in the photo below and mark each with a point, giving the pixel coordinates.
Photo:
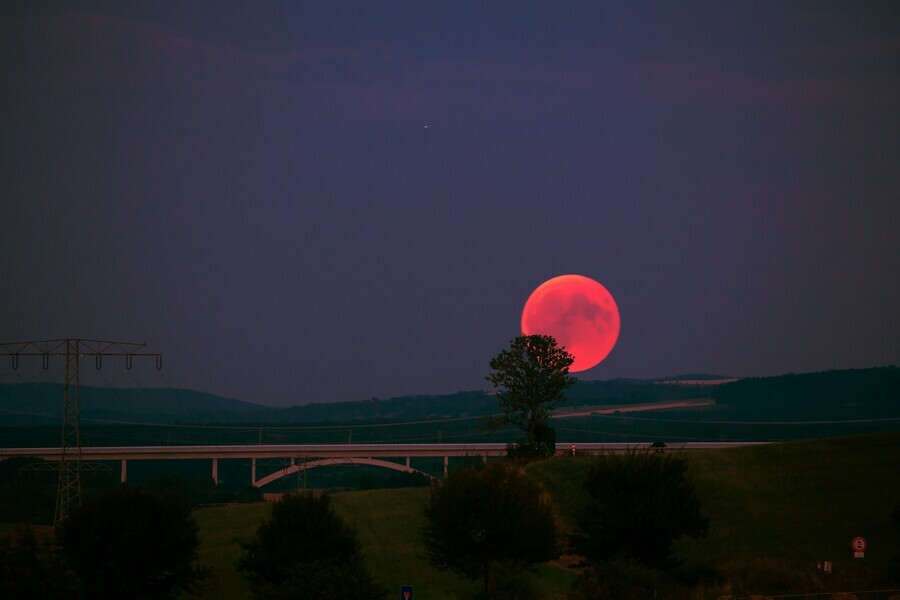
(252, 189)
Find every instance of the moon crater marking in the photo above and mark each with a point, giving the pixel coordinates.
(579, 312)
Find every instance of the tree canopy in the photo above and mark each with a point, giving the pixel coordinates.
(530, 379)
(305, 549)
(128, 542)
(487, 516)
(639, 504)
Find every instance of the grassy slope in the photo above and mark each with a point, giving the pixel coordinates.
(222, 530)
(387, 522)
(801, 503)
(795, 503)
(790, 505)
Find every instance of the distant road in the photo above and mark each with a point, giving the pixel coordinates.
(588, 411)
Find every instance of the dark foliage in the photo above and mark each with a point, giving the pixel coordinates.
(487, 516)
(130, 542)
(249, 494)
(198, 490)
(303, 539)
(31, 568)
(530, 379)
(639, 504)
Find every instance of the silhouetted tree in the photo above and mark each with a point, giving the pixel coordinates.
(487, 516)
(306, 550)
(639, 504)
(130, 542)
(530, 379)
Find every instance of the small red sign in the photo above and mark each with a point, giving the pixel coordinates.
(858, 544)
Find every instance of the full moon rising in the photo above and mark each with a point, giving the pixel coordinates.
(579, 312)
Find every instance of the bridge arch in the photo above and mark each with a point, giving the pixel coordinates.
(327, 462)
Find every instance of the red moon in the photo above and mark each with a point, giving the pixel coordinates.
(579, 312)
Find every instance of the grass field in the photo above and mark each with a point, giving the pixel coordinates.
(774, 511)
(786, 507)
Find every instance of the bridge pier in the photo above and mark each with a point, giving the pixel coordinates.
(124, 470)
(215, 471)
(253, 472)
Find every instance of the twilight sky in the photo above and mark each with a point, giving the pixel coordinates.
(300, 202)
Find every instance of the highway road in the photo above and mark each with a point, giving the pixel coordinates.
(336, 450)
(305, 456)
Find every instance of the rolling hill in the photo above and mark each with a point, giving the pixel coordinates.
(793, 406)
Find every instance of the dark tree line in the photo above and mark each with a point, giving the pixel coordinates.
(305, 550)
(639, 503)
(489, 517)
(129, 542)
(123, 542)
(495, 518)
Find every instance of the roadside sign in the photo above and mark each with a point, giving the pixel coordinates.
(406, 592)
(859, 547)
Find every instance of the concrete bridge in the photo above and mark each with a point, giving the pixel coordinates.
(308, 456)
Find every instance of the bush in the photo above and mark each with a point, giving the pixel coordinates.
(639, 504)
(128, 542)
(306, 550)
(489, 516)
(524, 452)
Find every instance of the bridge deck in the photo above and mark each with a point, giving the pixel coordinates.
(335, 450)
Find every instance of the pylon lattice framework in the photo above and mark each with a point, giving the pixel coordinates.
(68, 489)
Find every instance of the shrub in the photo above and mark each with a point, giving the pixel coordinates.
(639, 504)
(486, 517)
(306, 550)
(128, 542)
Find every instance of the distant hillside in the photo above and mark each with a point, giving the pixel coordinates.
(629, 391)
(846, 394)
(38, 403)
(694, 377)
(477, 403)
(41, 403)
(862, 393)
(460, 404)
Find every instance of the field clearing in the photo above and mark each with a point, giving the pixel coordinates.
(774, 512)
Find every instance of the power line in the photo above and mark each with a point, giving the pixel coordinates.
(68, 492)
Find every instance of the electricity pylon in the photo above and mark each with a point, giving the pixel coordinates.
(68, 489)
